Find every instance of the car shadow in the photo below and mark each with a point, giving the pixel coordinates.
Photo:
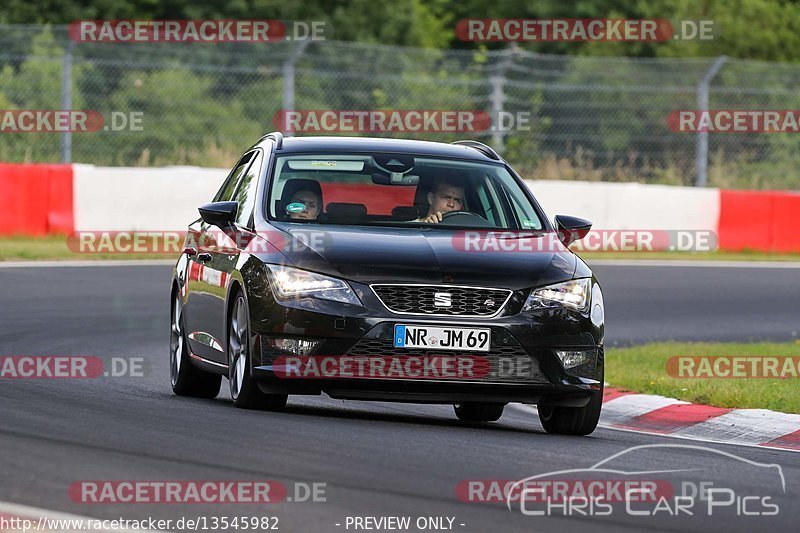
(426, 419)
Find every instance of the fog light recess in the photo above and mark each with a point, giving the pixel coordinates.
(573, 358)
(300, 347)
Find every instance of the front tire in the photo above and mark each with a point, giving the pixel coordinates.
(244, 389)
(187, 379)
(572, 420)
(478, 412)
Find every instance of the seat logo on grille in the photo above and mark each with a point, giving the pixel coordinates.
(442, 299)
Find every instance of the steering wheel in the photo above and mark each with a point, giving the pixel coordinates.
(465, 217)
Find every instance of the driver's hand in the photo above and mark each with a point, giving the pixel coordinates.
(434, 218)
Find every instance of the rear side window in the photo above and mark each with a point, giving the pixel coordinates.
(246, 192)
(225, 193)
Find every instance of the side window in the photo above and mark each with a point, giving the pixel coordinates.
(526, 214)
(226, 191)
(246, 192)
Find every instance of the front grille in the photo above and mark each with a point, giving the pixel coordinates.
(422, 300)
(508, 361)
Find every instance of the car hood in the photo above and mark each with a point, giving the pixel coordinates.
(425, 255)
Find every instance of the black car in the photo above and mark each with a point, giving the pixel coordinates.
(391, 270)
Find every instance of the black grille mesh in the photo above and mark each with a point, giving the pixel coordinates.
(419, 299)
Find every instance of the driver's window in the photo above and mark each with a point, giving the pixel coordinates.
(528, 219)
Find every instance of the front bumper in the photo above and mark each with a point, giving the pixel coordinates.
(522, 364)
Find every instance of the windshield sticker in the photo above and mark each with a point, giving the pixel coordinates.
(296, 207)
(326, 164)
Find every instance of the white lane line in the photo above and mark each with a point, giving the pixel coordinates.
(40, 517)
(750, 426)
(98, 263)
(691, 263)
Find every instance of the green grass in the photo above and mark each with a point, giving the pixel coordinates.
(54, 248)
(643, 369)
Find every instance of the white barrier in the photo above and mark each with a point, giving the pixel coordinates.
(167, 198)
(142, 199)
(618, 206)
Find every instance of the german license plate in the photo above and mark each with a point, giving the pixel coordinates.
(437, 338)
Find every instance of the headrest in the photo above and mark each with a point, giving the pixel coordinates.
(345, 212)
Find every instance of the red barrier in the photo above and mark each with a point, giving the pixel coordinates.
(764, 221)
(37, 199)
(786, 211)
(60, 200)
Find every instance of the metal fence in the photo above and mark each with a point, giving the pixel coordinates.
(593, 118)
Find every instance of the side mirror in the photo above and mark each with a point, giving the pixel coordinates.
(220, 214)
(571, 229)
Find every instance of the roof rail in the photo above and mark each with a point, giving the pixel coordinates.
(479, 146)
(275, 136)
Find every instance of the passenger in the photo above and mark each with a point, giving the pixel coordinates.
(311, 201)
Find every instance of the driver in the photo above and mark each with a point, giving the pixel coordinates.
(445, 196)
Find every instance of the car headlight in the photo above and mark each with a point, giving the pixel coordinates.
(289, 283)
(573, 294)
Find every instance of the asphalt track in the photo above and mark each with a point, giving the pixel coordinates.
(376, 459)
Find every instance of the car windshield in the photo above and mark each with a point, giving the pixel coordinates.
(398, 190)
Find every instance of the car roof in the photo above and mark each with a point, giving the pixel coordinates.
(374, 144)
